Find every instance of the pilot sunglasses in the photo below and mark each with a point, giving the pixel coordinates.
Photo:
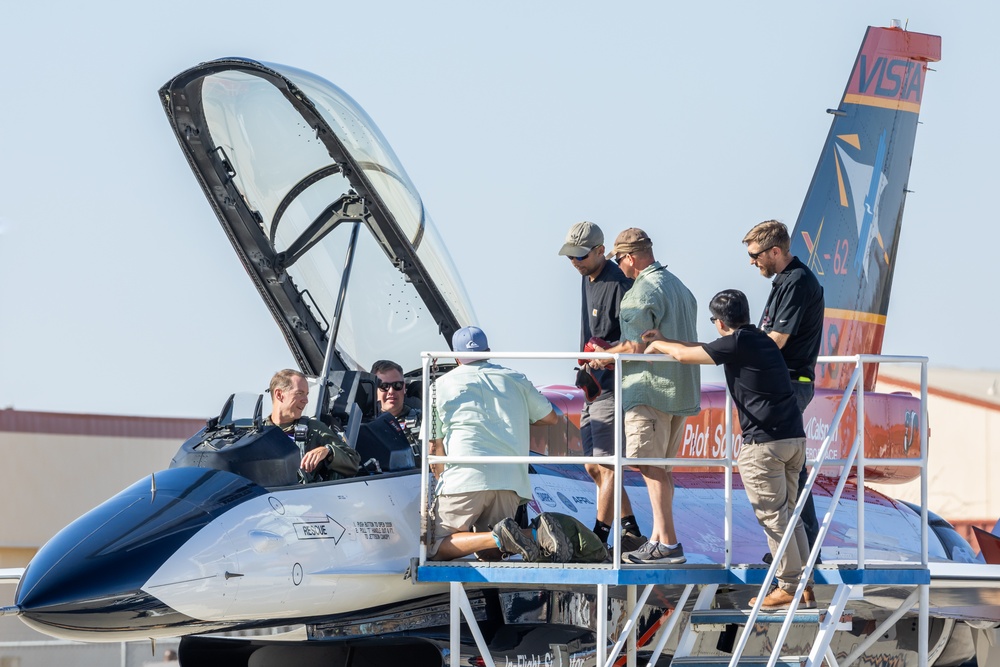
(397, 385)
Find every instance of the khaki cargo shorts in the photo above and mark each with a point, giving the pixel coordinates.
(651, 434)
(464, 512)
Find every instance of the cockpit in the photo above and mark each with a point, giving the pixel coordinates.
(239, 439)
(330, 229)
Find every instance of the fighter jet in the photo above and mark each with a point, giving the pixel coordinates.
(338, 242)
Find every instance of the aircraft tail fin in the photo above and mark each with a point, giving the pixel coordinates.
(989, 545)
(848, 229)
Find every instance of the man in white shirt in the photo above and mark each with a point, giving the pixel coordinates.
(482, 409)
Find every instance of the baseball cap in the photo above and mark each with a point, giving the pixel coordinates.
(632, 239)
(582, 238)
(470, 339)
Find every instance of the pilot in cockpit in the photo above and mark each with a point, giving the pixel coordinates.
(392, 393)
(326, 454)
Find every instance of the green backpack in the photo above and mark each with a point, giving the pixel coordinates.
(563, 539)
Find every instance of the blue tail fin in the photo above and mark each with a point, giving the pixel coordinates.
(848, 228)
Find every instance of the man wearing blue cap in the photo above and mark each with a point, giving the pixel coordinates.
(480, 408)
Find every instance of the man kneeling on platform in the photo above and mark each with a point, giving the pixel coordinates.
(774, 444)
(482, 409)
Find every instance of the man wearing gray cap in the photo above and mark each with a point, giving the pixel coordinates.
(603, 286)
(480, 409)
(657, 398)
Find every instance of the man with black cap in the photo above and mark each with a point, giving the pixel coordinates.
(659, 397)
(480, 409)
(604, 284)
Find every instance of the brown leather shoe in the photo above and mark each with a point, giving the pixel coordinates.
(776, 600)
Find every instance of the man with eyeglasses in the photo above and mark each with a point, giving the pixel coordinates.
(657, 397)
(325, 455)
(793, 318)
(604, 285)
(774, 442)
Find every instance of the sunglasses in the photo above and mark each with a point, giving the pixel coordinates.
(619, 258)
(583, 257)
(713, 320)
(386, 386)
(755, 255)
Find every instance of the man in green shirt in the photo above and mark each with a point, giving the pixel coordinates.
(659, 397)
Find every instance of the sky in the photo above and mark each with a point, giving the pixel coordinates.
(119, 293)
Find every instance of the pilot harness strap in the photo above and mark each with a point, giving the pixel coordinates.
(299, 437)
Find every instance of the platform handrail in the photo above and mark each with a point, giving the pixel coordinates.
(789, 535)
(618, 460)
(855, 460)
(726, 461)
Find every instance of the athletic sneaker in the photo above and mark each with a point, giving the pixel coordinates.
(656, 553)
(631, 541)
(512, 540)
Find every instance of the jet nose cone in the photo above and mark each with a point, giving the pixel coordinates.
(89, 577)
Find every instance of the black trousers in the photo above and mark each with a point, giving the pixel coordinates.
(803, 395)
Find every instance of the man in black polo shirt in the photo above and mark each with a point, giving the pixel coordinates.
(774, 443)
(603, 286)
(793, 318)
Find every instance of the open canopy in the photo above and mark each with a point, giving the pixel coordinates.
(294, 168)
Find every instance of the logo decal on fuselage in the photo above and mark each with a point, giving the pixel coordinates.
(566, 501)
(544, 497)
